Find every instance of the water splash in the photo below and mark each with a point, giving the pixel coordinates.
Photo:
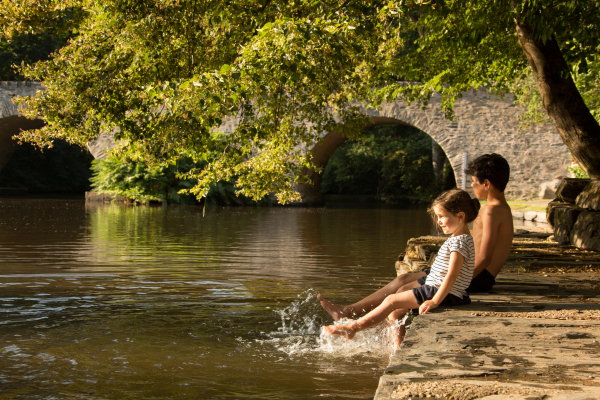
(303, 317)
(301, 332)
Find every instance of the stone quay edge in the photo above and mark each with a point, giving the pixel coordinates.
(535, 336)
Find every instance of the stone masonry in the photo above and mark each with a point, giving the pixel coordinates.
(483, 123)
(575, 213)
(8, 90)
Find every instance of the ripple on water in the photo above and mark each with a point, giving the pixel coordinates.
(202, 307)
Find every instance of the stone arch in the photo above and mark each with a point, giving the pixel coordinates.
(323, 151)
(10, 126)
(483, 123)
(11, 122)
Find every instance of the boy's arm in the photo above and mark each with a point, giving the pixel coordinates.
(489, 235)
(456, 262)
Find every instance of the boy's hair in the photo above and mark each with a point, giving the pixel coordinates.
(455, 201)
(492, 167)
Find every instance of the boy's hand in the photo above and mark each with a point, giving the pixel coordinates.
(426, 306)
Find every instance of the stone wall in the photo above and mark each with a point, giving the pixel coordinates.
(575, 213)
(8, 90)
(485, 123)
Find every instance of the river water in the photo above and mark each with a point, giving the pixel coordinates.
(160, 302)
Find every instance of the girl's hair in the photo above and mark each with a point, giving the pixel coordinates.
(455, 201)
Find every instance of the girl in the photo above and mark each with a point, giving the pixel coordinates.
(450, 273)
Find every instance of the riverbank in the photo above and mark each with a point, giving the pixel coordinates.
(529, 210)
(535, 335)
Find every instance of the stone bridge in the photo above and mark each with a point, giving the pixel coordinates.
(483, 123)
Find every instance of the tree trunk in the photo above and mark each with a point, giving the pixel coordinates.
(576, 125)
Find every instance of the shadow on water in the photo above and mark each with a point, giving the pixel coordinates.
(160, 302)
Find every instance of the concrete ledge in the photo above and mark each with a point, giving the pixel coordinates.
(536, 335)
(533, 336)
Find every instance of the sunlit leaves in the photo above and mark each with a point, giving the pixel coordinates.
(164, 99)
(38, 16)
(587, 81)
(247, 86)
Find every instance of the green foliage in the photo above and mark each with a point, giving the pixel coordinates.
(55, 17)
(63, 168)
(528, 97)
(448, 177)
(586, 79)
(391, 161)
(143, 183)
(168, 73)
(26, 49)
(578, 172)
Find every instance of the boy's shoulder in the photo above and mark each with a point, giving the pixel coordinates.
(498, 209)
(497, 215)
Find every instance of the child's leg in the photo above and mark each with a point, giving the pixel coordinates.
(369, 303)
(399, 330)
(399, 301)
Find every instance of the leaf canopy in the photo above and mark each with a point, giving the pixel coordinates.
(164, 75)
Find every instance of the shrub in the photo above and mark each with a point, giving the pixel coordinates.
(144, 184)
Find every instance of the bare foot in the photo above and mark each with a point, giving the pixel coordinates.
(334, 310)
(340, 330)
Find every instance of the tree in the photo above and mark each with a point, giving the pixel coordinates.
(488, 43)
(166, 73)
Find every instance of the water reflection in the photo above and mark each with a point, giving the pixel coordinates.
(118, 302)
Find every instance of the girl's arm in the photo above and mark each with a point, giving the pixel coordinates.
(456, 262)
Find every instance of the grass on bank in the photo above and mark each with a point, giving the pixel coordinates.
(524, 205)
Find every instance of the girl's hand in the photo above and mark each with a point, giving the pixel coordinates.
(426, 306)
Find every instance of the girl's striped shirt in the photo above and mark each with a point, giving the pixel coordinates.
(464, 245)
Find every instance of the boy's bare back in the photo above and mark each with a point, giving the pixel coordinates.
(493, 234)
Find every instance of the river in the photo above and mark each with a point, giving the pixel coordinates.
(125, 302)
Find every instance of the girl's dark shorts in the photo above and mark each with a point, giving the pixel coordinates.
(482, 283)
(426, 292)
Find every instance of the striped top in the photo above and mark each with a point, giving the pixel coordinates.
(464, 245)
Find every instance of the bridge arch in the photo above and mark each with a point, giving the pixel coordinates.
(324, 150)
(10, 126)
(483, 123)
(11, 122)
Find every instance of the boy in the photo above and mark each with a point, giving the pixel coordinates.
(492, 233)
(493, 229)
